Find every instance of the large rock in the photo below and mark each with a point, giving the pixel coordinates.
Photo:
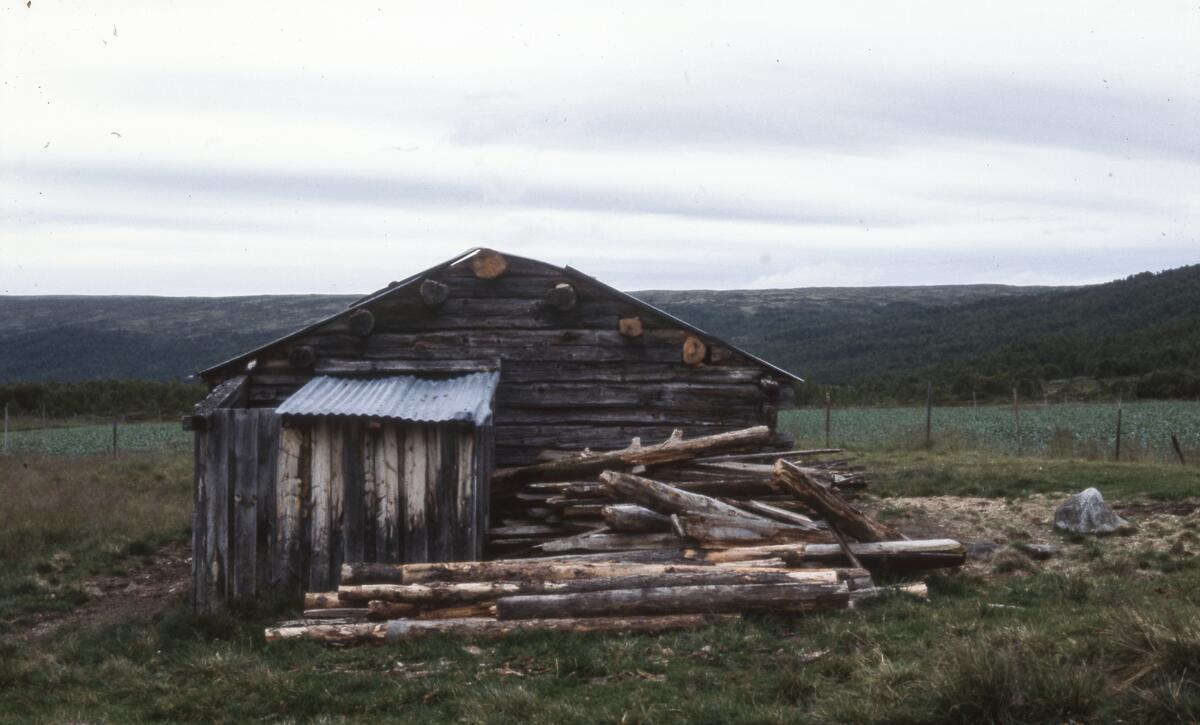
(1086, 513)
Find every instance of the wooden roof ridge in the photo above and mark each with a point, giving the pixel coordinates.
(567, 271)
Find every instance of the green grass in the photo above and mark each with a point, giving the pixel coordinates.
(1074, 430)
(1118, 638)
(91, 439)
(65, 518)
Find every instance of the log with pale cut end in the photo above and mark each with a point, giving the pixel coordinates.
(830, 506)
(433, 292)
(694, 351)
(630, 326)
(361, 322)
(674, 449)
(666, 499)
(561, 297)
(322, 600)
(715, 531)
(488, 264)
(633, 519)
(337, 613)
(717, 598)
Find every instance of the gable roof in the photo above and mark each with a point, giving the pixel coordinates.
(568, 271)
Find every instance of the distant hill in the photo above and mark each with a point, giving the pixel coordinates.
(882, 340)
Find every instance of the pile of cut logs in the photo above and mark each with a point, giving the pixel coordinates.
(659, 537)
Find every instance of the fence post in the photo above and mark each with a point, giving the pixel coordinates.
(45, 440)
(828, 407)
(1017, 419)
(929, 415)
(114, 436)
(1178, 449)
(6, 427)
(1117, 451)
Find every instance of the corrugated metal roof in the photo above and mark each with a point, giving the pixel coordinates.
(466, 398)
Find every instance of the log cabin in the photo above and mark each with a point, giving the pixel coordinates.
(371, 435)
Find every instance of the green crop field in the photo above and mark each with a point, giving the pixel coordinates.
(1085, 430)
(83, 440)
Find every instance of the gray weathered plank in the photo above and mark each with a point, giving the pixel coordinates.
(243, 548)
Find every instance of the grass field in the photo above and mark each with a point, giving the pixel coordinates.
(91, 439)
(1109, 630)
(1069, 430)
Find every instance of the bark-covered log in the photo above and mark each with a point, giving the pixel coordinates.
(371, 573)
(919, 590)
(714, 531)
(322, 600)
(885, 556)
(333, 634)
(671, 450)
(831, 506)
(664, 498)
(633, 519)
(787, 598)
(557, 569)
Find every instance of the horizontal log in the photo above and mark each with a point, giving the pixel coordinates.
(885, 556)
(337, 613)
(351, 366)
(734, 598)
(445, 594)
(664, 498)
(557, 569)
(631, 518)
(322, 600)
(609, 542)
(390, 610)
(714, 531)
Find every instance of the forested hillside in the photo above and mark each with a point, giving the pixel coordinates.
(1140, 335)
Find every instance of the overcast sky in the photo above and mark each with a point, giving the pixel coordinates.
(212, 148)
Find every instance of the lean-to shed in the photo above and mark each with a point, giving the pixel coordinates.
(370, 435)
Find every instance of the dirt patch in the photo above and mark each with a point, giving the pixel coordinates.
(1169, 529)
(160, 582)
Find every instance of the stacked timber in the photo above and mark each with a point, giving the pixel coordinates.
(666, 558)
(542, 508)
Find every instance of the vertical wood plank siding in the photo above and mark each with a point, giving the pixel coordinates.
(279, 507)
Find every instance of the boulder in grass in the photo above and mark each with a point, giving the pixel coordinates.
(1086, 513)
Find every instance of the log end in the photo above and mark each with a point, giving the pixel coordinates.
(488, 264)
(630, 326)
(361, 322)
(302, 357)
(433, 292)
(561, 297)
(694, 351)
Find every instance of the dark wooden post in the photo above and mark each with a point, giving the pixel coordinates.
(828, 408)
(1178, 449)
(1117, 449)
(928, 415)
(1017, 419)
(114, 436)
(6, 427)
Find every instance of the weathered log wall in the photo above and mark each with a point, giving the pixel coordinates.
(572, 375)
(278, 509)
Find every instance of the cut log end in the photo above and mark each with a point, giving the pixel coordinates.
(362, 322)
(694, 351)
(630, 326)
(561, 297)
(488, 264)
(433, 293)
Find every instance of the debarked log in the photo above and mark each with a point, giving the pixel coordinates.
(609, 542)
(442, 594)
(719, 531)
(403, 630)
(831, 506)
(786, 598)
(907, 556)
(633, 519)
(664, 498)
(526, 569)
